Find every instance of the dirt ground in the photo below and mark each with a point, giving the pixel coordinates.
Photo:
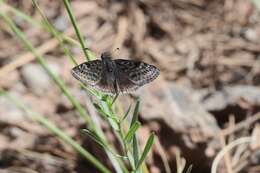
(207, 95)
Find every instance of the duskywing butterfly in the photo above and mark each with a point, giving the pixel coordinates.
(115, 76)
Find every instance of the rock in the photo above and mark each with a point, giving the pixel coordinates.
(9, 80)
(37, 79)
(4, 142)
(178, 108)
(231, 95)
(61, 23)
(10, 114)
(251, 35)
(16, 138)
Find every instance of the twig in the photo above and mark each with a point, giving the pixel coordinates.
(226, 149)
(163, 155)
(227, 159)
(242, 124)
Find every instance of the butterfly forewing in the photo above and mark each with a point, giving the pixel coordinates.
(139, 73)
(88, 72)
(115, 76)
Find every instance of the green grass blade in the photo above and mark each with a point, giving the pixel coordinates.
(147, 148)
(54, 33)
(100, 111)
(36, 23)
(43, 63)
(76, 28)
(135, 151)
(116, 163)
(127, 113)
(256, 3)
(130, 134)
(58, 132)
(101, 142)
(135, 142)
(95, 137)
(136, 111)
(21, 14)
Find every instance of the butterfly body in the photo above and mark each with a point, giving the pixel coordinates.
(115, 76)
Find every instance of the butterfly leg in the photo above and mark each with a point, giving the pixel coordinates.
(116, 87)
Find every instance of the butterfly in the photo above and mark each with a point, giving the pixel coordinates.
(115, 76)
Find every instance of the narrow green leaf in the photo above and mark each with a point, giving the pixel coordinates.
(131, 132)
(56, 131)
(100, 110)
(111, 118)
(135, 150)
(60, 83)
(135, 142)
(105, 98)
(77, 31)
(136, 111)
(147, 148)
(94, 137)
(55, 33)
(114, 123)
(127, 112)
(256, 3)
(36, 23)
(101, 142)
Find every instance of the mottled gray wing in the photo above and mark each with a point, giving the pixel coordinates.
(88, 72)
(135, 73)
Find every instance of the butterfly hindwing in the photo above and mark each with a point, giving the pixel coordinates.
(139, 73)
(115, 76)
(124, 84)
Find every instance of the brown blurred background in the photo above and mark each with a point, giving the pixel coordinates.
(208, 93)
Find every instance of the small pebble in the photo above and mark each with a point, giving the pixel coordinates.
(37, 79)
(251, 35)
(61, 23)
(9, 112)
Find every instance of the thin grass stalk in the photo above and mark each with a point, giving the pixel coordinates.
(87, 52)
(42, 61)
(54, 33)
(60, 83)
(58, 132)
(36, 23)
(74, 23)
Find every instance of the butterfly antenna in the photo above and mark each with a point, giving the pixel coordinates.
(116, 49)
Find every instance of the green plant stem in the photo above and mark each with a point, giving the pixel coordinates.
(42, 61)
(125, 147)
(36, 23)
(54, 33)
(58, 81)
(74, 23)
(55, 130)
(256, 3)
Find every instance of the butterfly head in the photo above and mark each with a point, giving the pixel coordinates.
(106, 56)
(107, 62)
